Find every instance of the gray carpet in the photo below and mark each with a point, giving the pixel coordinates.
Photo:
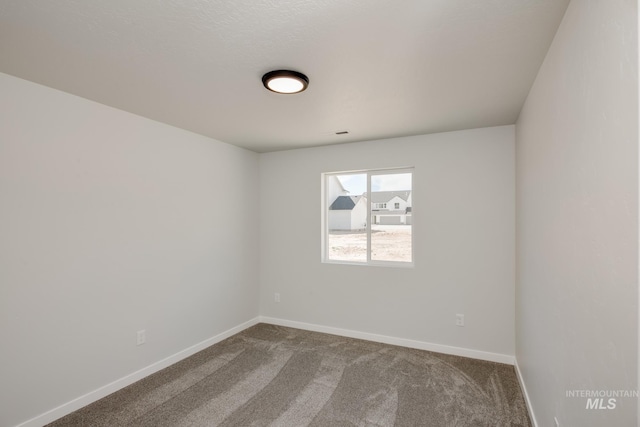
(274, 376)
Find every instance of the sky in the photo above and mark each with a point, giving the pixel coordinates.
(356, 184)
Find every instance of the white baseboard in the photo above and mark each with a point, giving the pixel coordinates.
(116, 385)
(534, 423)
(420, 345)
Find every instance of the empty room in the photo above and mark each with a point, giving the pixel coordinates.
(319, 213)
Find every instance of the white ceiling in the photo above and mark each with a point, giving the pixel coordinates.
(377, 68)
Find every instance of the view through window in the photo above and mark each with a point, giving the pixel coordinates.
(368, 216)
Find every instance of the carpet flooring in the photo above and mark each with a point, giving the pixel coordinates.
(275, 376)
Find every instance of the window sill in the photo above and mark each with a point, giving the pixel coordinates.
(387, 264)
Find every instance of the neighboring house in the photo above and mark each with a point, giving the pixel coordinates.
(391, 207)
(348, 213)
(335, 189)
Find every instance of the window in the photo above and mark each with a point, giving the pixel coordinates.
(357, 226)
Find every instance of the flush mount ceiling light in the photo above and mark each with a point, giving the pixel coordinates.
(285, 81)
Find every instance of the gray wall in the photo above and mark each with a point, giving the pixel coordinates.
(463, 216)
(577, 218)
(111, 223)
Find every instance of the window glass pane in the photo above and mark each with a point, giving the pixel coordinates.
(391, 217)
(347, 217)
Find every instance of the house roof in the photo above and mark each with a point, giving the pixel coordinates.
(385, 196)
(344, 203)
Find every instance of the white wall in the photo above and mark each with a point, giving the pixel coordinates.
(463, 216)
(339, 219)
(334, 189)
(359, 215)
(577, 218)
(109, 224)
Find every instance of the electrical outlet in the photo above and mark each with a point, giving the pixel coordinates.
(276, 297)
(459, 319)
(141, 337)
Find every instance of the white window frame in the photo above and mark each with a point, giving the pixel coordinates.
(325, 217)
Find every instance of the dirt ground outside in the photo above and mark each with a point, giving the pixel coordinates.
(388, 243)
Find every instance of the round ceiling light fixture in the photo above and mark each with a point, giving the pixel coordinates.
(285, 81)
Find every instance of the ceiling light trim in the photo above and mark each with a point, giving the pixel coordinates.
(285, 82)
